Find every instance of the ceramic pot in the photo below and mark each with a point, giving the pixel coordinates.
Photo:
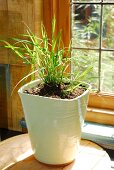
(54, 125)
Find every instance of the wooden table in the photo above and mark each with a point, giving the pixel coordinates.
(16, 154)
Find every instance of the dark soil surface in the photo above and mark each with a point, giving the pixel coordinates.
(53, 91)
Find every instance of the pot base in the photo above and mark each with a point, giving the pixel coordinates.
(64, 164)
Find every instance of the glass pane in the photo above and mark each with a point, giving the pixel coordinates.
(108, 27)
(85, 25)
(83, 59)
(108, 1)
(107, 72)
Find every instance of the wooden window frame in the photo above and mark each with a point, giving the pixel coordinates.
(100, 106)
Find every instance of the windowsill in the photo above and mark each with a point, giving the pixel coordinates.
(99, 115)
(100, 134)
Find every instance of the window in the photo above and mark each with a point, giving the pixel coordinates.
(92, 35)
(95, 40)
(92, 31)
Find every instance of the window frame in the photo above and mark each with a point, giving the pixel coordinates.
(101, 105)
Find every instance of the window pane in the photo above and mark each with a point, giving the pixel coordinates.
(85, 25)
(108, 1)
(107, 72)
(83, 59)
(88, 22)
(108, 27)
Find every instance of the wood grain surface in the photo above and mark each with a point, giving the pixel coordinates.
(15, 16)
(16, 154)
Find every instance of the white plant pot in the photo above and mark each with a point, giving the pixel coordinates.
(54, 125)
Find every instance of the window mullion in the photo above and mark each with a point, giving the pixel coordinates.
(100, 47)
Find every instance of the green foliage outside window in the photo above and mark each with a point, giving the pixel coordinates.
(92, 37)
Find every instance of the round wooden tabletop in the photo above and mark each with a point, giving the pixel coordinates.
(16, 154)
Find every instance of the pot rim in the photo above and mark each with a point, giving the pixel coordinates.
(34, 82)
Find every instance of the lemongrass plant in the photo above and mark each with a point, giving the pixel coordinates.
(50, 58)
